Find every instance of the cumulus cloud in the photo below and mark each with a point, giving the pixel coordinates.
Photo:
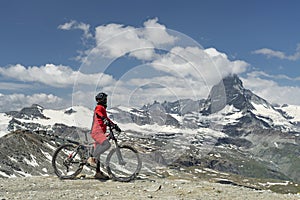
(172, 65)
(178, 57)
(207, 65)
(56, 76)
(156, 33)
(271, 90)
(115, 40)
(279, 54)
(181, 73)
(180, 70)
(13, 102)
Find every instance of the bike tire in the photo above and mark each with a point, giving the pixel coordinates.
(123, 172)
(64, 165)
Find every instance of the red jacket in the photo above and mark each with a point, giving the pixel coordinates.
(98, 127)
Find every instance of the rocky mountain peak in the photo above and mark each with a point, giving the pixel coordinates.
(35, 111)
(69, 111)
(230, 91)
(233, 82)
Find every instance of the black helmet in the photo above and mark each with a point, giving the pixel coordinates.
(101, 98)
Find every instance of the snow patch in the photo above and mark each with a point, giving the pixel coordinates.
(228, 115)
(272, 183)
(31, 162)
(47, 155)
(23, 173)
(12, 159)
(81, 117)
(50, 146)
(264, 113)
(4, 122)
(5, 175)
(293, 111)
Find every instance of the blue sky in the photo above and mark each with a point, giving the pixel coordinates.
(44, 44)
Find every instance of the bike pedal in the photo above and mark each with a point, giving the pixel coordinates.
(81, 176)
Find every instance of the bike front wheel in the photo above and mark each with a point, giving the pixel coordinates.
(67, 161)
(123, 163)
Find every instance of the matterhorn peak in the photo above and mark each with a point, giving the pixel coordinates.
(230, 91)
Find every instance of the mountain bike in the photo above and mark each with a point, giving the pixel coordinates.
(122, 162)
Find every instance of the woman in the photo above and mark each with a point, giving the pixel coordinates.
(98, 133)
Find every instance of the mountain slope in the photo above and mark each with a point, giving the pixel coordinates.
(25, 154)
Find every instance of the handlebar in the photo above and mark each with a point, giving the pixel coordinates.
(112, 130)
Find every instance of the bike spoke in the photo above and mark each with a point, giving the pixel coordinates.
(67, 161)
(123, 163)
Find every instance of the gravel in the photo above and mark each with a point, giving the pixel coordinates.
(50, 187)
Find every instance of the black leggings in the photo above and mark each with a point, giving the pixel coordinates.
(101, 148)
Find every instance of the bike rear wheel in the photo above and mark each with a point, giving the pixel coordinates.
(67, 161)
(125, 168)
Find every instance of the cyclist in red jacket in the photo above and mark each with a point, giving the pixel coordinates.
(98, 133)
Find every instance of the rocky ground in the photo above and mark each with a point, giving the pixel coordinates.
(50, 187)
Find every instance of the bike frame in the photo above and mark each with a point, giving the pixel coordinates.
(111, 137)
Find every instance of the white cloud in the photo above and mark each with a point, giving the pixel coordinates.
(184, 73)
(138, 91)
(77, 25)
(187, 71)
(163, 88)
(67, 25)
(206, 65)
(183, 69)
(13, 86)
(279, 54)
(271, 90)
(13, 102)
(87, 37)
(270, 53)
(156, 33)
(115, 40)
(278, 76)
(56, 76)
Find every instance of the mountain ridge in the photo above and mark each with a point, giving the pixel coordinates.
(245, 129)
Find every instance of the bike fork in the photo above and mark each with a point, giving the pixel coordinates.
(120, 157)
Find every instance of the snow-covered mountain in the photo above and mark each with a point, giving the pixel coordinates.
(36, 118)
(228, 106)
(242, 108)
(230, 127)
